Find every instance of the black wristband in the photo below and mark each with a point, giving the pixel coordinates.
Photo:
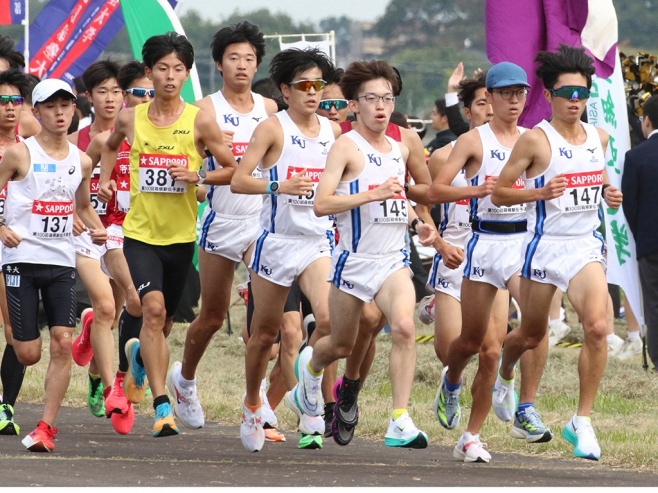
(415, 222)
(406, 188)
(603, 189)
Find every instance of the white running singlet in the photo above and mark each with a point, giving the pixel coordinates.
(39, 208)
(221, 200)
(376, 228)
(576, 212)
(455, 224)
(291, 214)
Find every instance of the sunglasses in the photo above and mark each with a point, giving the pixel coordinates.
(13, 99)
(305, 85)
(140, 92)
(339, 104)
(570, 92)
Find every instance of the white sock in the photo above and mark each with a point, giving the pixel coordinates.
(634, 335)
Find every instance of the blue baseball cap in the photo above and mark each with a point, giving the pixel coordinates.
(506, 74)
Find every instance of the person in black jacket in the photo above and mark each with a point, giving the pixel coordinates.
(641, 211)
(440, 124)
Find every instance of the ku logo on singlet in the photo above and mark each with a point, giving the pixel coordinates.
(498, 154)
(566, 153)
(233, 120)
(297, 141)
(372, 159)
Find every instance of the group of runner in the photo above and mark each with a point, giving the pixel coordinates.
(318, 208)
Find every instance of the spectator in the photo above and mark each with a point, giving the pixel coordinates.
(440, 123)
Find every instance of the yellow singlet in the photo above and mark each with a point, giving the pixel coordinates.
(162, 211)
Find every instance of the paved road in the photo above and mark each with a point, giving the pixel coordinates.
(89, 454)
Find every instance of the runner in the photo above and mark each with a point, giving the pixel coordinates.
(363, 186)
(290, 150)
(491, 267)
(48, 177)
(14, 87)
(168, 139)
(94, 346)
(563, 166)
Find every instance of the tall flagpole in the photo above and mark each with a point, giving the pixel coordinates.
(26, 36)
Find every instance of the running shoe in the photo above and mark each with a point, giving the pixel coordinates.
(134, 383)
(469, 448)
(346, 410)
(403, 433)
(186, 402)
(556, 332)
(528, 426)
(579, 433)
(615, 343)
(164, 424)
(504, 399)
(252, 433)
(119, 409)
(41, 439)
(631, 348)
(426, 312)
(267, 413)
(273, 434)
(243, 291)
(81, 349)
(446, 404)
(311, 442)
(95, 400)
(307, 394)
(7, 425)
(328, 418)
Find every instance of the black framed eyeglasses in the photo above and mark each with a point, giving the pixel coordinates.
(507, 94)
(339, 104)
(373, 98)
(571, 92)
(140, 92)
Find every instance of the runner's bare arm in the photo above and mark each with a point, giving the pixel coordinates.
(524, 154)
(13, 166)
(417, 167)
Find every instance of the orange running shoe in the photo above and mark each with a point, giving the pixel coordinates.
(41, 439)
(81, 349)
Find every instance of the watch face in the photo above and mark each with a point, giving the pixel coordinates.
(202, 173)
(275, 186)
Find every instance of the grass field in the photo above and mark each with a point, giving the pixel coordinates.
(624, 415)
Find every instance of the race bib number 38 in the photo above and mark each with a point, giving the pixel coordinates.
(51, 219)
(314, 174)
(154, 173)
(583, 192)
(393, 210)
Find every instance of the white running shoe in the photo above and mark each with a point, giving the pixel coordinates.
(403, 433)
(579, 433)
(503, 400)
(556, 332)
(615, 344)
(311, 425)
(251, 429)
(631, 348)
(469, 448)
(186, 402)
(307, 394)
(426, 311)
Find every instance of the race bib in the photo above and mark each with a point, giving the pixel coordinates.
(99, 207)
(304, 200)
(51, 220)
(123, 193)
(154, 173)
(389, 211)
(583, 192)
(513, 209)
(462, 214)
(3, 197)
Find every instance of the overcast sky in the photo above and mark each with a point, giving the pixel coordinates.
(299, 10)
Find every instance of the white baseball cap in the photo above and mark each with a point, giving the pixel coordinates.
(48, 87)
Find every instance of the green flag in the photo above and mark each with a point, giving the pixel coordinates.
(146, 18)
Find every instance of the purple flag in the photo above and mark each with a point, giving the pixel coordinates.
(517, 29)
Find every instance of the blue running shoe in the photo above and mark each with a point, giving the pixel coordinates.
(134, 383)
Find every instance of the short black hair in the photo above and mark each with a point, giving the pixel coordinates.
(267, 88)
(360, 72)
(469, 87)
(130, 72)
(79, 85)
(162, 45)
(288, 63)
(242, 32)
(9, 53)
(440, 105)
(567, 60)
(399, 119)
(32, 80)
(650, 110)
(15, 78)
(99, 72)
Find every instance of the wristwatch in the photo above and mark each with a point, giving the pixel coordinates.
(274, 187)
(202, 176)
